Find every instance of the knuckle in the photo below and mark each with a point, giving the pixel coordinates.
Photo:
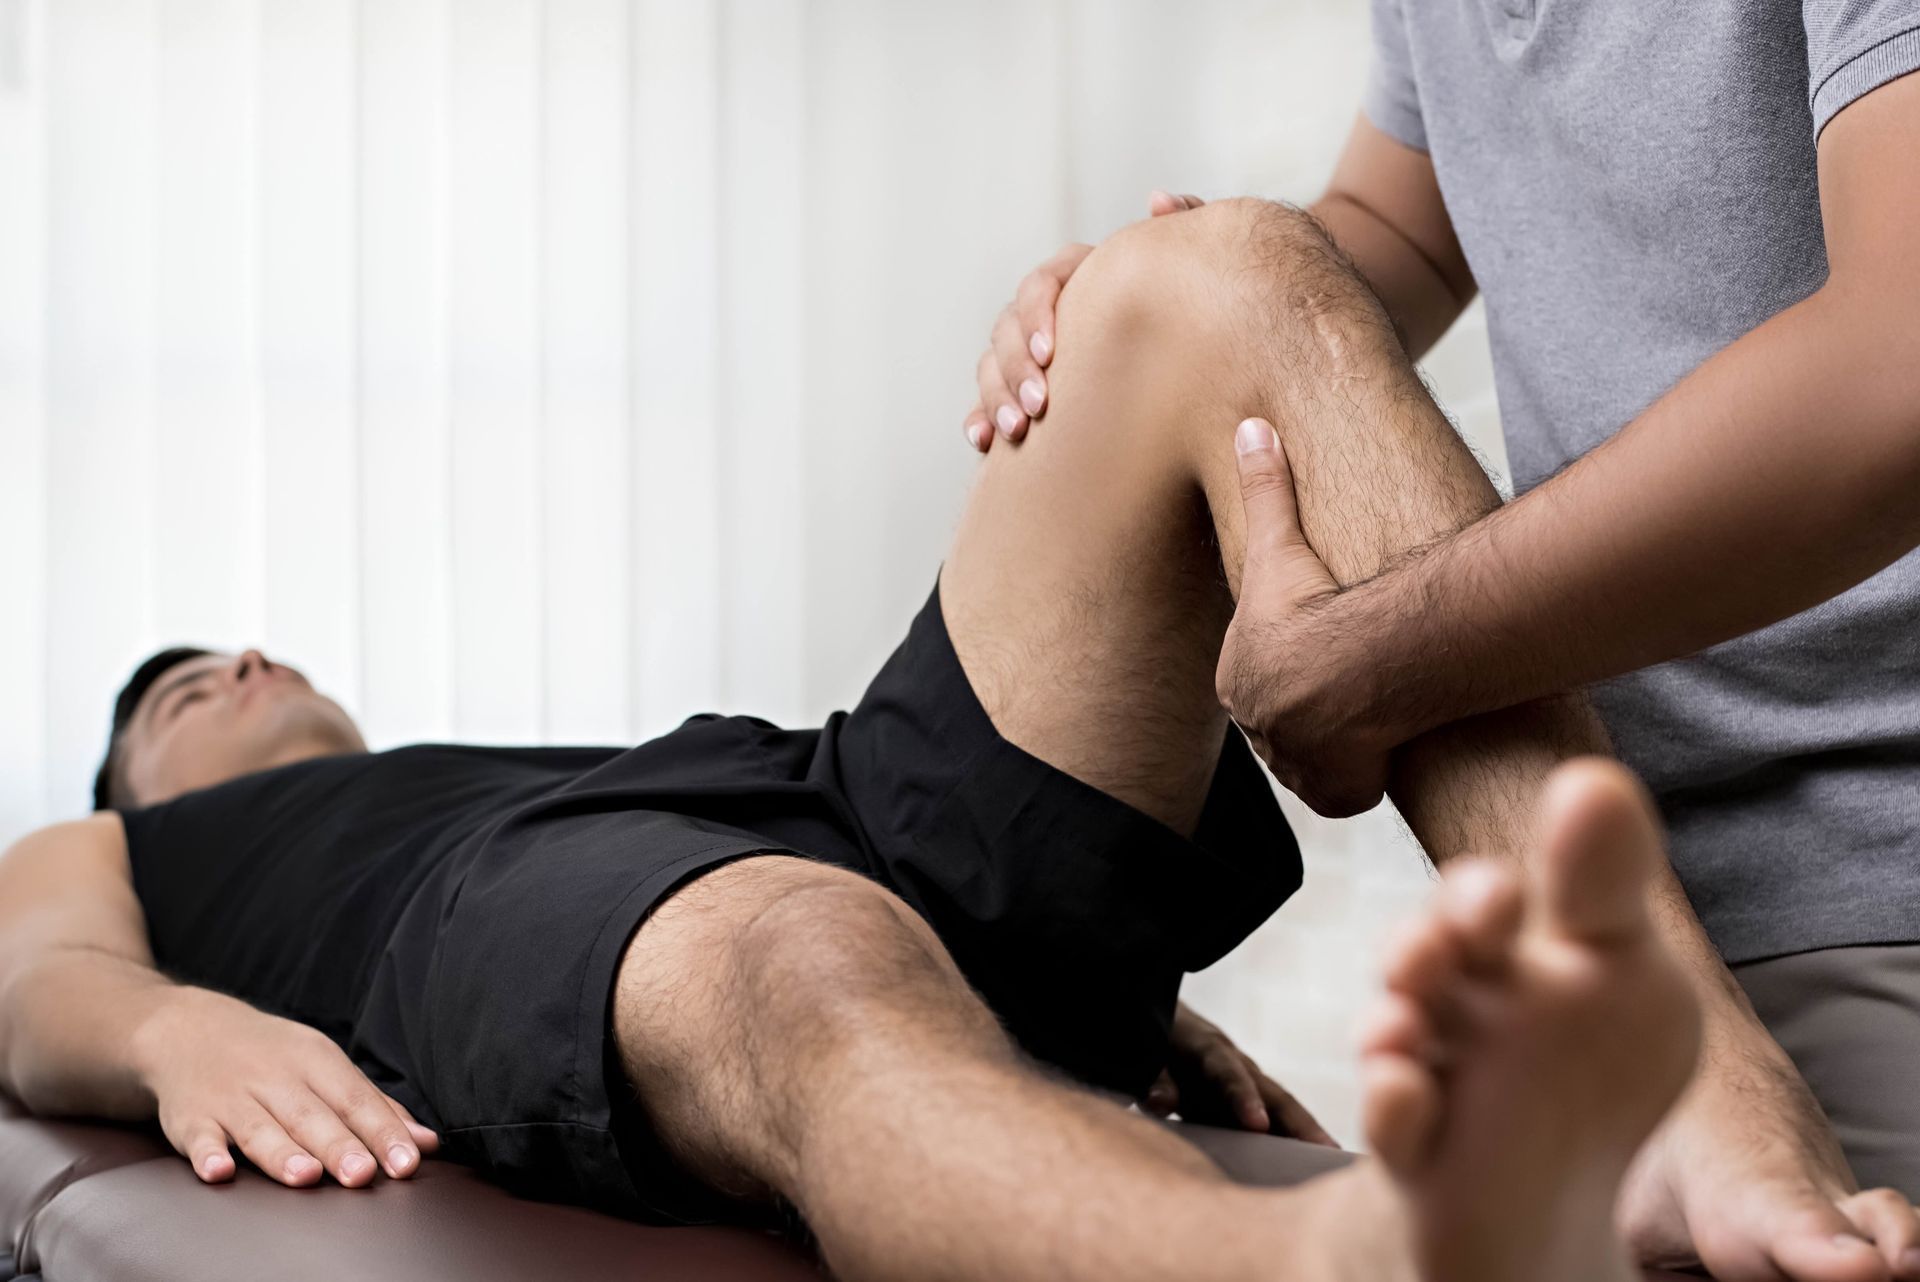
(269, 1149)
(1259, 480)
(1037, 293)
(304, 1114)
(338, 1149)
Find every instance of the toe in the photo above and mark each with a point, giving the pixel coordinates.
(1400, 1110)
(1600, 845)
(1824, 1246)
(1890, 1220)
(1396, 1025)
(1482, 905)
(1423, 959)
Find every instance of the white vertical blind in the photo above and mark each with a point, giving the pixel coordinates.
(307, 317)
(493, 243)
(23, 453)
(673, 296)
(405, 429)
(98, 434)
(208, 555)
(761, 437)
(587, 639)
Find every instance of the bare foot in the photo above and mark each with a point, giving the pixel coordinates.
(1527, 1045)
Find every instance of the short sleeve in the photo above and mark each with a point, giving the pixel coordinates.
(1393, 99)
(1854, 47)
(181, 853)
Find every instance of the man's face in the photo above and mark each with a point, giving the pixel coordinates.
(219, 716)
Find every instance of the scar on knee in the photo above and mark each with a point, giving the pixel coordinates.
(1336, 344)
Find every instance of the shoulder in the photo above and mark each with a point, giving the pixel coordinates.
(104, 831)
(70, 885)
(91, 847)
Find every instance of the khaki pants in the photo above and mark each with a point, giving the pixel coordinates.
(1850, 1018)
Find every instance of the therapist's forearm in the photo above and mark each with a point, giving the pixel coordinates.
(1778, 474)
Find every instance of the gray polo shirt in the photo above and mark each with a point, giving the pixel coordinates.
(1635, 188)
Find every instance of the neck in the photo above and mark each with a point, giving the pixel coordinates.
(310, 749)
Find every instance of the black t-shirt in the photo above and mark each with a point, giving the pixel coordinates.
(285, 887)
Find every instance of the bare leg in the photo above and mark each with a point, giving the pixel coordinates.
(794, 1031)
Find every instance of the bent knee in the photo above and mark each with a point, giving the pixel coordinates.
(1227, 278)
(834, 939)
(767, 941)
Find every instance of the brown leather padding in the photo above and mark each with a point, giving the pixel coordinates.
(154, 1222)
(39, 1159)
(92, 1203)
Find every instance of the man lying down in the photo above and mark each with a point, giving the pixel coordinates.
(869, 971)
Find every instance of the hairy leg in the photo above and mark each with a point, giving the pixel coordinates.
(794, 1031)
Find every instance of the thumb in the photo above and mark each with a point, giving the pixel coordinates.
(1278, 553)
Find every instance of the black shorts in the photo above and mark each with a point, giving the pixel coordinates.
(1073, 915)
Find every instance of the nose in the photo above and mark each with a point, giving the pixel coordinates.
(249, 665)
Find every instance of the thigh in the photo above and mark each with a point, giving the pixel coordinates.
(732, 994)
(1850, 1019)
(1084, 590)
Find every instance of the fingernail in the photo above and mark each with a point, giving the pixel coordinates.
(355, 1165)
(1008, 418)
(210, 1165)
(1041, 346)
(977, 434)
(1258, 1120)
(1033, 395)
(301, 1168)
(1253, 434)
(1159, 194)
(400, 1158)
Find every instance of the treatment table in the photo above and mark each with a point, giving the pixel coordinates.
(85, 1202)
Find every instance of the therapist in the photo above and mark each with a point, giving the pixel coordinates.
(1697, 230)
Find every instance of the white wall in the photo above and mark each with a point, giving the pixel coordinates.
(549, 369)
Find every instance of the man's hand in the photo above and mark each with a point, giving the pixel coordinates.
(1012, 372)
(1208, 1079)
(1280, 674)
(224, 1073)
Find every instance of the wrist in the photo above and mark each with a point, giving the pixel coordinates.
(1379, 678)
(174, 1015)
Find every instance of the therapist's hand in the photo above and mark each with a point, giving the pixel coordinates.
(1013, 372)
(222, 1073)
(1291, 673)
(1208, 1079)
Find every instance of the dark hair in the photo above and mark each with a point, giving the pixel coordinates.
(107, 784)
